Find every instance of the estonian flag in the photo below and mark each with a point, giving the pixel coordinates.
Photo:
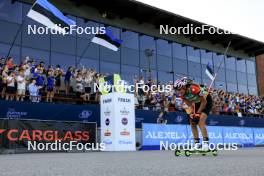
(107, 40)
(209, 72)
(47, 14)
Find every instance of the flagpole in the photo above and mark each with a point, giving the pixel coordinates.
(14, 40)
(211, 84)
(19, 29)
(224, 56)
(78, 62)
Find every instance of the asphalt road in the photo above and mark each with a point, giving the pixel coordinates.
(243, 162)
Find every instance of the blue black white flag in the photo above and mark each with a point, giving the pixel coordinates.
(47, 14)
(210, 72)
(107, 40)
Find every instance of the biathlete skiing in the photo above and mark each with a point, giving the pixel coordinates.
(198, 98)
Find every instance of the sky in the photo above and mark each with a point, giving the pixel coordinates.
(243, 17)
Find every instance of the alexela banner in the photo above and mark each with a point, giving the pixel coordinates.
(118, 122)
(258, 136)
(155, 134)
(238, 135)
(215, 134)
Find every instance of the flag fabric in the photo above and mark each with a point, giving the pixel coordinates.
(107, 40)
(210, 72)
(47, 14)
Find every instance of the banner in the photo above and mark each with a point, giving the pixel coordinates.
(24, 133)
(118, 122)
(215, 134)
(3, 126)
(91, 113)
(49, 111)
(241, 136)
(259, 136)
(153, 134)
(107, 121)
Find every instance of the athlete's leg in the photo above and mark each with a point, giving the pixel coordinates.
(203, 117)
(193, 123)
(202, 126)
(194, 131)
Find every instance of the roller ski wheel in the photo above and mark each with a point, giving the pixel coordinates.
(187, 153)
(214, 152)
(208, 152)
(177, 152)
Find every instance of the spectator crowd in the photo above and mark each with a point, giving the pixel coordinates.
(35, 82)
(224, 102)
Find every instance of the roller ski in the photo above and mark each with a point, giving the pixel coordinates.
(196, 150)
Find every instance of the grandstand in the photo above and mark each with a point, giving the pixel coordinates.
(48, 80)
(77, 86)
(192, 53)
(173, 56)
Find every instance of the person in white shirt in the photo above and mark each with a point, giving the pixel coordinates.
(27, 70)
(11, 89)
(33, 91)
(87, 83)
(79, 85)
(21, 86)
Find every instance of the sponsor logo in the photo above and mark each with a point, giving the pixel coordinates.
(107, 142)
(2, 130)
(179, 119)
(165, 135)
(13, 114)
(107, 133)
(213, 122)
(259, 136)
(46, 135)
(238, 135)
(124, 111)
(125, 142)
(124, 100)
(242, 122)
(124, 133)
(85, 114)
(109, 100)
(107, 122)
(107, 112)
(124, 121)
(139, 119)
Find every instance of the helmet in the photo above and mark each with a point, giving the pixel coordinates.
(179, 83)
